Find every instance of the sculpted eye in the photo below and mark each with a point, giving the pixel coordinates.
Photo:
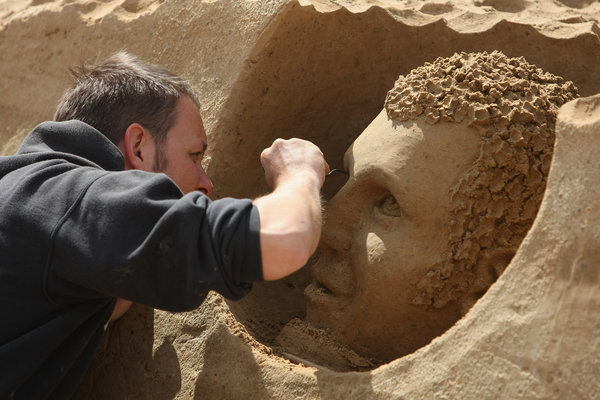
(388, 206)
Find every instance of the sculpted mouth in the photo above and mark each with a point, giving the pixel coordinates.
(330, 287)
(321, 289)
(319, 296)
(323, 308)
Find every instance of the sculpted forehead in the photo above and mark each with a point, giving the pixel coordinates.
(382, 146)
(412, 156)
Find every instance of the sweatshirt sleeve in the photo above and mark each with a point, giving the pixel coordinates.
(133, 235)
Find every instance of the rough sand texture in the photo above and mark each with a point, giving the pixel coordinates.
(320, 71)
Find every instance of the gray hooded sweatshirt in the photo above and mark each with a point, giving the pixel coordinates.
(77, 232)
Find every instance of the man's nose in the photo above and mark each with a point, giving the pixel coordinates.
(205, 185)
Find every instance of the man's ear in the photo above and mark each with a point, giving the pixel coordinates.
(138, 148)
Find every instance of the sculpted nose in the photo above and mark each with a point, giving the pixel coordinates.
(335, 240)
(336, 231)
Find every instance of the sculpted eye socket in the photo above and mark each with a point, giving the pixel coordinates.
(389, 207)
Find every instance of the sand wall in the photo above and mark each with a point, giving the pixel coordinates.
(320, 71)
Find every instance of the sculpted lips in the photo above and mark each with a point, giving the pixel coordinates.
(321, 305)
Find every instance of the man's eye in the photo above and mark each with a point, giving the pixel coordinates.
(196, 156)
(388, 206)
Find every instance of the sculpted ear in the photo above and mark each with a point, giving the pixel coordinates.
(137, 147)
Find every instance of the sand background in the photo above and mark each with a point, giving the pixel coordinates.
(320, 70)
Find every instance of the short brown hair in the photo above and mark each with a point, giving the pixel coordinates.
(120, 91)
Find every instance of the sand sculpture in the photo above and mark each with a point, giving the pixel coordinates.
(444, 184)
(320, 70)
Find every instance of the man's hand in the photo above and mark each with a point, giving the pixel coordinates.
(290, 217)
(288, 159)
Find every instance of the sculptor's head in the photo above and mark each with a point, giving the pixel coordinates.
(151, 114)
(443, 186)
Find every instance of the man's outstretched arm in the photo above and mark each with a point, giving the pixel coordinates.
(290, 216)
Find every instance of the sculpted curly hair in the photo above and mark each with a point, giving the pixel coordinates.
(513, 106)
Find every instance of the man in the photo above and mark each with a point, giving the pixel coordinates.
(85, 222)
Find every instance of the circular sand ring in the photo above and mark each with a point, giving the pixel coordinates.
(534, 334)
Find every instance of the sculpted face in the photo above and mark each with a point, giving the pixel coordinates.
(385, 229)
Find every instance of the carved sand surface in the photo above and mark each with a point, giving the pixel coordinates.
(321, 70)
(443, 186)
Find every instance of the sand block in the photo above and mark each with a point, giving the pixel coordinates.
(320, 70)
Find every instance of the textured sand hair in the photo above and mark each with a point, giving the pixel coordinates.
(513, 106)
(122, 90)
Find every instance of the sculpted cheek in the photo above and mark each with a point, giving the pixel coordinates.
(375, 248)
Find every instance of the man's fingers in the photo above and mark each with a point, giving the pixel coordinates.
(284, 159)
